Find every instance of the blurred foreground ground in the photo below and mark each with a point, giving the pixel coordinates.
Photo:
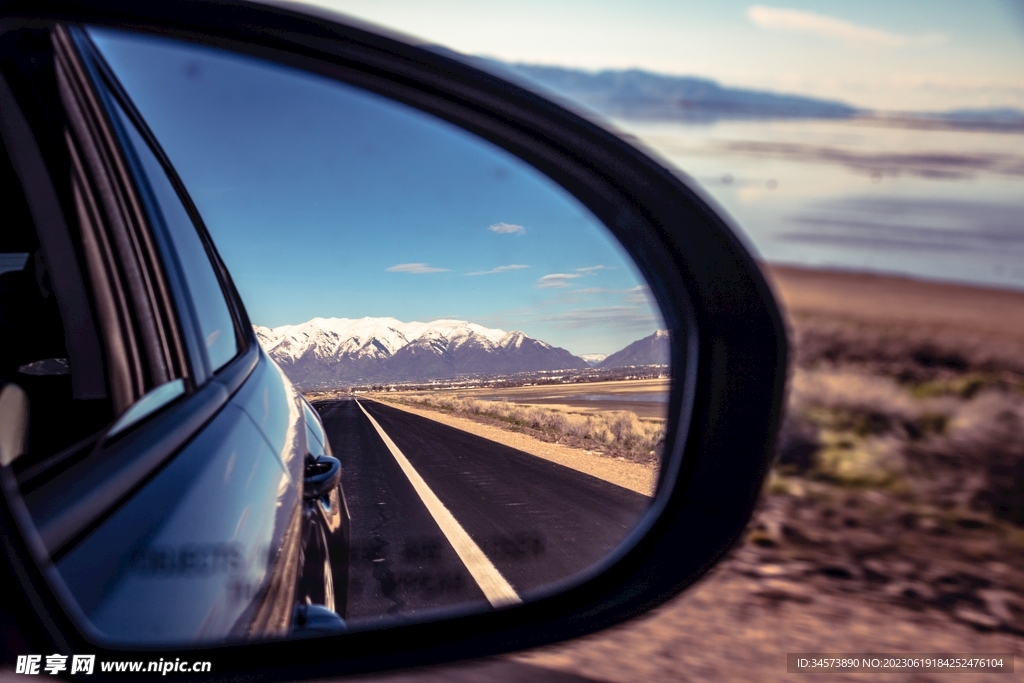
(894, 521)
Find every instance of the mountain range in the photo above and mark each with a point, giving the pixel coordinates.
(634, 93)
(640, 94)
(337, 351)
(652, 350)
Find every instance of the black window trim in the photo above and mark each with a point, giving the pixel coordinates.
(82, 340)
(107, 83)
(129, 281)
(79, 487)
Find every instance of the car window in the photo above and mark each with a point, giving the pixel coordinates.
(212, 314)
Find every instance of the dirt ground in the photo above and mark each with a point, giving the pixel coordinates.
(898, 300)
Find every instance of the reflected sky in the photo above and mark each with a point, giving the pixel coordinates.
(328, 201)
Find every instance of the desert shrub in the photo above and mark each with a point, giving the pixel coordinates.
(851, 459)
(983, 448)
(799, 441)
(961, 449)
(966, 387)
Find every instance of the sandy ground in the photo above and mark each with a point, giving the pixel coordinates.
(629, 475)
(761, 603)
(899, 301)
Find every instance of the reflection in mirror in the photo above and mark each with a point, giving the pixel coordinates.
(472, 345)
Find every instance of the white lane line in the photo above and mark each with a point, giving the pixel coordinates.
(496, 589)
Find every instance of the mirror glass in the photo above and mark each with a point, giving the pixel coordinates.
(469, 341)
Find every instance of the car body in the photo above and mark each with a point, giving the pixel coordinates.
(184, 489)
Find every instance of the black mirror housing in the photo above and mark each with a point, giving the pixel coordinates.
(729, 349)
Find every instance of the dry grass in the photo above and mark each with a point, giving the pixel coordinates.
(614, 433)
(878, 410)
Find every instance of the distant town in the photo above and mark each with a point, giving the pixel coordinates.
(522, 379)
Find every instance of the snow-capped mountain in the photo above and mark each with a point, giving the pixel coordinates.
(593, 359)
(327, 351)
(652, 350)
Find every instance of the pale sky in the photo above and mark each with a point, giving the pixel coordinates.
(909, 55)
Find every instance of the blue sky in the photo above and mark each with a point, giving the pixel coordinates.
(906, 55)
(328, 201)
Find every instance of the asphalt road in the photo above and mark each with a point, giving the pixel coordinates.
(536, 521)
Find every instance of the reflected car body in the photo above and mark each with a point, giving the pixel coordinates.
(189, 515)
(326, 543)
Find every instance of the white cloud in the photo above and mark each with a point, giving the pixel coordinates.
(415, 268)
(589, 269)
(556, 280)
(824, 26)
(499, 269)
(507, 229)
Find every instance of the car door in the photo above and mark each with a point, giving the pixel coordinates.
(182, 516)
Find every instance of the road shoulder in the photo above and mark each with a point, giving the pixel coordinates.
(629, 475)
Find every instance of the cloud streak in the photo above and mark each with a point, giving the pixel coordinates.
(499, 269)
(507, 229)
(415, 268)
(556, 280)
(823, 26)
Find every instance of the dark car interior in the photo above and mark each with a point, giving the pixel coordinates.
(34, 357)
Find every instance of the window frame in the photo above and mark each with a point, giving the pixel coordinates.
(73, 491)
(112, 95)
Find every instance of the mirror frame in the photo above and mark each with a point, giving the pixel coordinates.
(728, 355)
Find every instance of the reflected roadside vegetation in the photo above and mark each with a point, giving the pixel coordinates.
(610, 429)
(623, 419)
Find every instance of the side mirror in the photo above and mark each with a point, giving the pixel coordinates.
(323, 473)
(266, 532)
